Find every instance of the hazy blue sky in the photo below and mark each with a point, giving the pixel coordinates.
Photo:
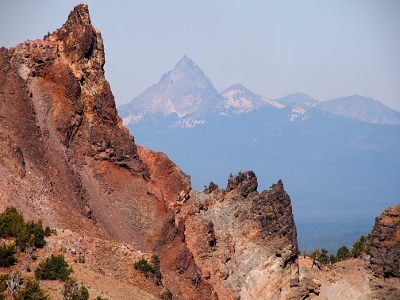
(326, 49)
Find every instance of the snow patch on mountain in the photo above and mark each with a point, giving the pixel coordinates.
(187, 123)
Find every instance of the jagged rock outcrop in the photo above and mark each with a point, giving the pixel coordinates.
(66, 158)
(243, 242)
(385, 255)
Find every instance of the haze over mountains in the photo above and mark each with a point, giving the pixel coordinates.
(338, 159)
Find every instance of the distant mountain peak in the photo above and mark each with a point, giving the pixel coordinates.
(239, 87)
(361, 108)
(296, 98)
(239, 99)
(185, 62)
(182, 91)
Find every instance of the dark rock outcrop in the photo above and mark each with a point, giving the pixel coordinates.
(245, 183)
(385, 255)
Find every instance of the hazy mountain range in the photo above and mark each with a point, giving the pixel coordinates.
(338, 159)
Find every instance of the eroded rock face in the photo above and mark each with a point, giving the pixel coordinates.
(385, 255)
(385, 248)
(66, 158)
(243, 242)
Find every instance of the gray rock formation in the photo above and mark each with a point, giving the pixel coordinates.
(385, 255)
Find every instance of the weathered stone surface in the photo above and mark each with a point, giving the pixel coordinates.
(243, 242)
(348, 279)
(385, 255)
(385, 248)
(244, 182)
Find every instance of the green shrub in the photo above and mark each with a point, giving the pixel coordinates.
(3, 282)
(7, 257)
(144, 266)
(32, 234)
(12, 224)
(47, 231)
(323, 257)
(54, 267)
(37, 233)
(319, 256)
(32, 291)
(332, 258)
(101, 298)
(343, 253)
(74, 291)
(363, 244)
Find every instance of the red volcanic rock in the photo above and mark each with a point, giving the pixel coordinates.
(243, 242)
(65, 156)
(61, 127)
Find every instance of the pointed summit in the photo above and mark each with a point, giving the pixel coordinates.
(182, 91)
(79, 15)
(239, 99)
(185, 61)
(81, 40)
